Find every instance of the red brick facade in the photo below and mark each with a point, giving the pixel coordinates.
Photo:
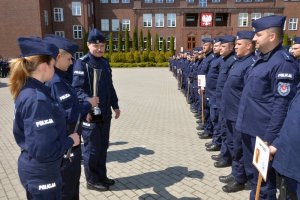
(28, 17)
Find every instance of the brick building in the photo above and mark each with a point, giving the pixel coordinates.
(188, 21)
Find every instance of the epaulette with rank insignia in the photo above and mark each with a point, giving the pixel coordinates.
(286, 56)
(84, 57)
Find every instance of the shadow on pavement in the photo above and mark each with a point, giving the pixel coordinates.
(3, 85)
(159, 181)
(126, 155)
(118, 143)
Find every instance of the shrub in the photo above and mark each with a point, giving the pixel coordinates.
(129, 58)
(160, 57)
(145, 57)
(152, 55)
(137, 57)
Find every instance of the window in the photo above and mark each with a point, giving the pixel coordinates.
(114, 1)
(169, 41)
(89, 10)
(92, 8)
(147, 19)
(255, 16)
(104, 24)
(159, 1)
(247, 1)
(115, 23)
(259, 0)
(268, 14)
(216, 1)
(77, 32)
(58, 14)
(238, 1)
(202, 3)
(169, 1)
(125, 1)
(76, 8)
(159, 20)
(145, 43)
(78, 54)
(125, 24)
(243, 19)
(293, 24)
(103, 1)
(190, 1)
(107, 47)
(160, 43)
(60, 33)
(148, 1)
(171, 19)
(46, 18)
(114, 47)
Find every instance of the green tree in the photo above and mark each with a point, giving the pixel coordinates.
(85, 48)
(156, 46)
(148, 45)
(141, 41)
(126, 40)
(163, 48)
(285, 41)
(171, 47)
(110, 43)
(135, 40)
(119, 41)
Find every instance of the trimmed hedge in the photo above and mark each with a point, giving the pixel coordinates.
(142, 64)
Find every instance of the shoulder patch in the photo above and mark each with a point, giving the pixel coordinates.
(283, 88)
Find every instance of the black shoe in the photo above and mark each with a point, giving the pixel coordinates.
(216, 157)
(199, 121)
(208, 144)
(200, 127)
(233, 187)
(226, 179)
(97, 186)
(108, 182)
(221, 164)
(213, 147)
(205, 136)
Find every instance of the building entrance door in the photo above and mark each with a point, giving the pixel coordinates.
(191, 42)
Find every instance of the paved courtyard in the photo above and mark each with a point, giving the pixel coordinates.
(154, 150)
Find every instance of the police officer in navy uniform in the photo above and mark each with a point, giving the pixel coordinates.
(65, 94)
(268, 90)
(40, 125)
(295, 51)
(231, 94)
(96, 134)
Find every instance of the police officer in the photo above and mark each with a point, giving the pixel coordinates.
(231, 94)
(296, 49)
(268, 90)
(96, 134)
(39, 126)
(65, 94)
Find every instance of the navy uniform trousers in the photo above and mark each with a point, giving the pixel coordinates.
(96, 141)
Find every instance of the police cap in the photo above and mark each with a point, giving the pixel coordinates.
(62, 43)
(227, 39)
(31, 46)
(247, 35)
(268, 22)
(217, 39)
(297, 40)
(205, 40)
(95, 36)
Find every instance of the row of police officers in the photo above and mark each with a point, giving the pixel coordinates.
(53, 110)
(251, 90)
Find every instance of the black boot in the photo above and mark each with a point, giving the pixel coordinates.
(213, 147)
(216, 157)
(226, 179)
(233, 186)
(221, 164)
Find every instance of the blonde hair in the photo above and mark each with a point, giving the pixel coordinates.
(21, 68)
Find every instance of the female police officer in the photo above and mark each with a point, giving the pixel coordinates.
(65, 94)
(39, 126)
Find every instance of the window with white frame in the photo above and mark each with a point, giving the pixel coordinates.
(243, 19)
(259, 0)
(238, 1)
(255, 16)
(160, 43)
(190, 1)
(104, 24)
(202, 3)
(216, 1)
(114, 1)
(148, 1)
(145, 43)
(169, 1)
(125, 1)
(293, 24)
(268, 14)
(159, 20)
(147, 20)
(115, 25)
(60, 33)
(125, 24)
(159, 1)
(78, 54)
(76, 8)
(103, 1)
(169, 42)
(58, 14)
(247, 1)
(171, 19)
(107, 47)
(77, 32)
